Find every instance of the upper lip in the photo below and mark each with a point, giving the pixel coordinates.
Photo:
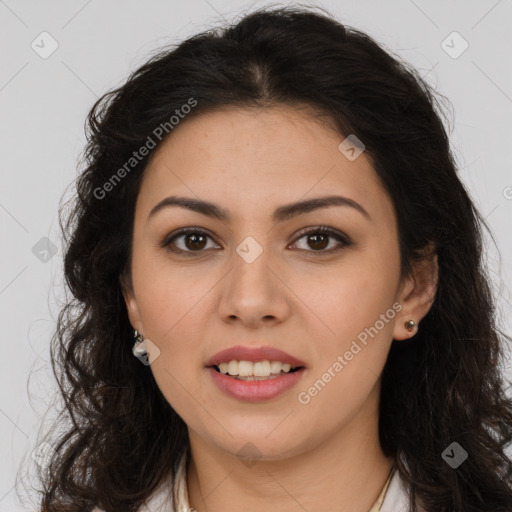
(254, 354)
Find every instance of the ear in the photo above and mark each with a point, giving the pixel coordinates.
(132, 307)
(417, 293)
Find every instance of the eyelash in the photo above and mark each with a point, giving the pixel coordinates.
(321, 230)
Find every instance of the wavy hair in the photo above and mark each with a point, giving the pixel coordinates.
(122, 438)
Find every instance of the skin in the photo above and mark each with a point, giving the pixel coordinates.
(324, 455)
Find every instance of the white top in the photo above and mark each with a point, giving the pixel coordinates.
(395, 499)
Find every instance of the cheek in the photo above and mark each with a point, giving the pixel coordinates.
(355, 294)
(168, 295)
(349, 359)
(173, 311)
(355, 306)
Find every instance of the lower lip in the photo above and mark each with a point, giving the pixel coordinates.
(256, 390)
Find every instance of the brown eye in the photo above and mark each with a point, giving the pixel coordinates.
(190, 240)
(318, 239)
(194, 241)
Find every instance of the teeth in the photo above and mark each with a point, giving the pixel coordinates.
(245, 369)
(262, 369)
(275, 366)
(258, 369)
(232, 368)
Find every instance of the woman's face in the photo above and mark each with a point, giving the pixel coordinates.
(256, 279)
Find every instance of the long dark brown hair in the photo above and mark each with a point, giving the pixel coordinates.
(122, 438)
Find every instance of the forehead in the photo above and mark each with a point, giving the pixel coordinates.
(251, 157)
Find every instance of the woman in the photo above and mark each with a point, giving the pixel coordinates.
(271, 222)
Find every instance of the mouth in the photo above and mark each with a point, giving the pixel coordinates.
(228, 360)
(249, 378)
(251, 388)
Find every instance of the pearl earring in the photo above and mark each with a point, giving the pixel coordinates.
(139, 349)
(410, 325)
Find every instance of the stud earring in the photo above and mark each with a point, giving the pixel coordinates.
(410, 325)
(139, 349)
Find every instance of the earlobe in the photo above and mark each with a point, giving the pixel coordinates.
(417, 296)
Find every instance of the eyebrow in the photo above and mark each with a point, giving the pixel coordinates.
(280, 214)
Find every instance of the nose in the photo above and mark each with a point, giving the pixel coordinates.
(253, 292)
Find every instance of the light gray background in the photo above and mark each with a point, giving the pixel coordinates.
(44, 103)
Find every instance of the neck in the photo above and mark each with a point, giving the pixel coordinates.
(346, 473)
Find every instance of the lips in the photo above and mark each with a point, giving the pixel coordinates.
(255, 391)
(241, 353)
